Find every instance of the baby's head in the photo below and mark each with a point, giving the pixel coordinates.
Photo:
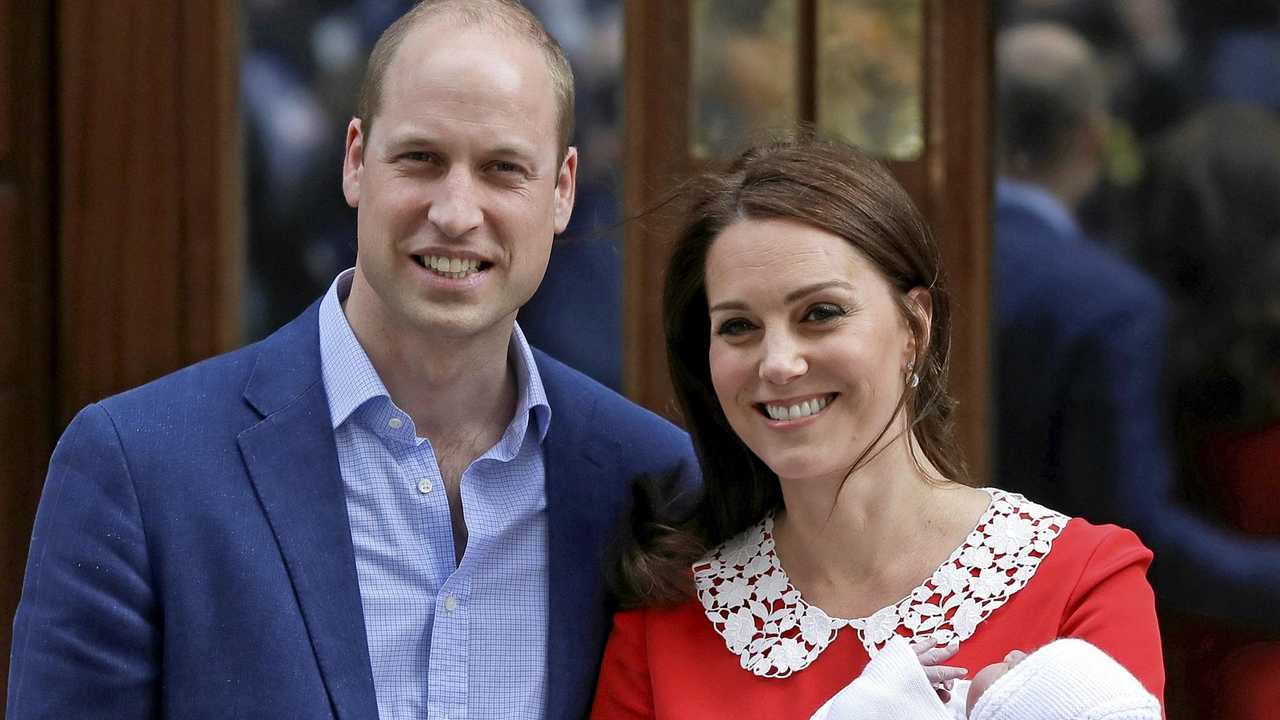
(988, 675)
(1064, 680)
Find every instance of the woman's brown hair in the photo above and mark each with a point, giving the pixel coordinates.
(832, 187)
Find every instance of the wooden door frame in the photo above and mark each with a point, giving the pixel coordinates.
(27, 391)
(120, 198)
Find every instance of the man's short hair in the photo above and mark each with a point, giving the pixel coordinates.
(1049, 85)
(509, 16)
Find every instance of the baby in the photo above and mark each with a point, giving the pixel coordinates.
(1065, 680)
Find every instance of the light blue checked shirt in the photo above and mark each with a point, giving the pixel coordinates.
(446, 642)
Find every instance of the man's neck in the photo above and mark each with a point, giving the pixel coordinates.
(452, 387)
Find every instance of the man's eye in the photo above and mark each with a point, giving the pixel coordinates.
(505, 168)
(823, 312)
(735, 327)
(420, 156)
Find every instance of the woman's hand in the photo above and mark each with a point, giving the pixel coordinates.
(931, 655)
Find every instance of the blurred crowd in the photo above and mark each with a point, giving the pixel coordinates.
(1136, 265)
(1137, 299)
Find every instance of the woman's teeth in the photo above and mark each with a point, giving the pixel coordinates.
(800, 410)
(454, 268)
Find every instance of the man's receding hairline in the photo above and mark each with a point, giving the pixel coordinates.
(494, 17)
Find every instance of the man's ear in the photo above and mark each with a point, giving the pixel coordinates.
(566, 187)
(353, 162)
(920, 304)
(1090, 139)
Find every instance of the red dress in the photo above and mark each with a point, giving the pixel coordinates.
(750, 646)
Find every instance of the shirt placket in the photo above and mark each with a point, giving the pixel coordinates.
(450, 651)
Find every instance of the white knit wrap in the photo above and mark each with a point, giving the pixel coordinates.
(1067, 680)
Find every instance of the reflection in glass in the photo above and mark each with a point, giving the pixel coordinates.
(870, 61)
(744, 71)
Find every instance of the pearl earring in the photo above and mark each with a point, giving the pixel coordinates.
(913, 378)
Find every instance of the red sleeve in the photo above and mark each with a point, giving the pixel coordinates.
(624, 691)
(1113, 607)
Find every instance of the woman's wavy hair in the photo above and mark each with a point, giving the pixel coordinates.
(832, 187)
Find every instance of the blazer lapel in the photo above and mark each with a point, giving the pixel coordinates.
(580, 492)
(293, 463)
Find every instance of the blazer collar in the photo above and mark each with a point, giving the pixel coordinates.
(293, 463)
(288, 364)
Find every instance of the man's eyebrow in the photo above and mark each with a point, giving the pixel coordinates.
(410, 139)
(505, 150)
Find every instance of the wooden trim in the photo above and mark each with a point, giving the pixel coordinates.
(120, 203)
(958, 204)
(807, 60)
(656, 158)
(214, 245)
(149, 191)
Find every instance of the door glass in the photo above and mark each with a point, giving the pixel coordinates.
(870, 61)
(743, 72)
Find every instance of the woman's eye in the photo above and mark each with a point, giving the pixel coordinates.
(734, 327)
(823, 312)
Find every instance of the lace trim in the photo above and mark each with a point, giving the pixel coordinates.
(762, 618)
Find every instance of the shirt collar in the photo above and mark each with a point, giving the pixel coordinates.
(1038, 201)
(350, 379)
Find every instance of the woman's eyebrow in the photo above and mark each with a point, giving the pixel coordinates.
(727, 305)
(789, 298)
(810, 289)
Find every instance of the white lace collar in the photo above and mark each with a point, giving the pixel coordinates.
(762, 618)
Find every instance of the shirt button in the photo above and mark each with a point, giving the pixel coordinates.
(395, 423)
(451, 603)
(424, 486)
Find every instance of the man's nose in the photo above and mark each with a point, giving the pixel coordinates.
(455, 209)
(783, 359)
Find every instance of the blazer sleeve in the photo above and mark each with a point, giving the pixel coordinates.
(86, 641)
(1112, 607)
(624, 691)
(1115, 454)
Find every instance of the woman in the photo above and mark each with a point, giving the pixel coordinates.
(808, 340)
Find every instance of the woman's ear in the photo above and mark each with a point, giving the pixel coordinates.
(920, 305)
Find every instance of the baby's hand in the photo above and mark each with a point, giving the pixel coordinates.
(941, 677)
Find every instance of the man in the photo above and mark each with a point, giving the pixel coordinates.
(392, 507)
(1080, 343)
(1080, 331)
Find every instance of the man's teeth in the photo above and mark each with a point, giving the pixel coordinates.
(793, 412)
(455, 268)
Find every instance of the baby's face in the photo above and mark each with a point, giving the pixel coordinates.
(988, 675)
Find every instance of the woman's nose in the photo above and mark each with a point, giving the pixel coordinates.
(783, 360)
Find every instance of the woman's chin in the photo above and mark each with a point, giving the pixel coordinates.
(803, 470)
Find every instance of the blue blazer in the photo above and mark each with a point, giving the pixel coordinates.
(1079, 351)
(1080, 344)
(192, 557)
